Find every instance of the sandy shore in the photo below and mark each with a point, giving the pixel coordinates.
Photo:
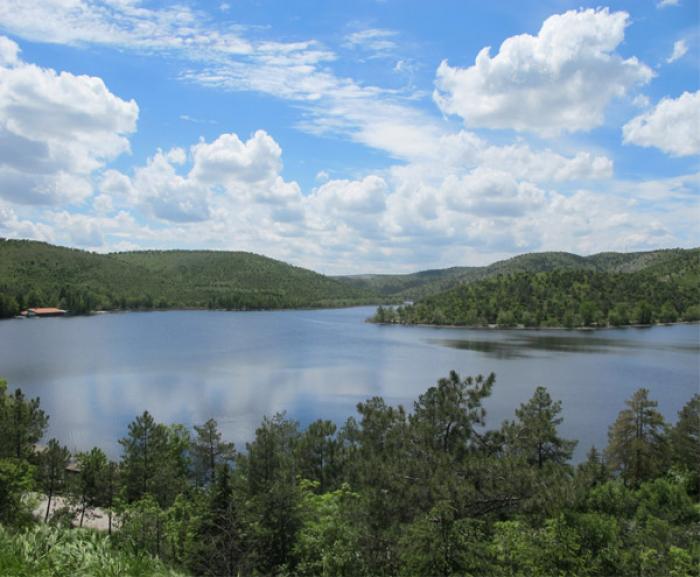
(95, 518)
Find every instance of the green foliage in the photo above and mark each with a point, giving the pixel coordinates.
(93, 468)
(44, 551)
(22, 423)
(433, 492)
(8, 306)
(415, 286)
(154, 460)
(218, 537)
(446, 415)
(440, 543)
(685, 441)
(328, 539)
(51, 472)
(534, 434)
(317, 453)
(692, 313)
(376, 463)
(638, 443)
(274, 493)
(15, 482)
(142, 526)
(561, 297)
(39, 274)
(210, 451)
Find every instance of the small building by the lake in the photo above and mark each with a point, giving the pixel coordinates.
(43, 312)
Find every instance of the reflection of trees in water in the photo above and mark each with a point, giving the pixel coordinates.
(516, 345)
(498, 349)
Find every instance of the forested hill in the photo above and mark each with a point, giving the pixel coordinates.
(429, 282)
(39, 274)
(242, 279)
(665, 290)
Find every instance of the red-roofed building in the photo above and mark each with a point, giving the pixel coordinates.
(44, 312)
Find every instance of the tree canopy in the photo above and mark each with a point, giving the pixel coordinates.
(431, 491)
(562, 298)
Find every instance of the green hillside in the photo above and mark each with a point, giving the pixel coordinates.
(425, 283)
(39, 274)
(241, 280)
(662, 288)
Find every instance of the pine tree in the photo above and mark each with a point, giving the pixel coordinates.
(110, 487)
(535, 431)
(92, 471)
(22, 423)
(685, 440)
(153, 460)
(637, 440)
(317, 454)
(209, 451)
(274, 494)
(446, 414)
(52, 471)
(219, 539)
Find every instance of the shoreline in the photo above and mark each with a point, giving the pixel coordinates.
(492, 327)
(538, 328)
(200, 309)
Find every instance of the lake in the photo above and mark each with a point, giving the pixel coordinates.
(95, 374)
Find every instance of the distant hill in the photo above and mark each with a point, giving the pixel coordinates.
(230, 279)
(419, 285)
(603, 290)
(39, 274)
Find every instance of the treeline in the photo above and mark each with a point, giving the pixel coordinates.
(271, 299)
(419, 285)
(568, 298)
(432, 491)
(77, 300)
(35, 274)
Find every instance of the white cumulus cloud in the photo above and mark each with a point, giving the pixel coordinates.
(673, 126)
(56, 129)
(487, 192)
(9, 52)
(225, 174)
(560, 80)
(229, 160)
(366, 196)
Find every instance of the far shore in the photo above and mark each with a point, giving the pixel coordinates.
(490, 327)
(202, 309)
(494, 327)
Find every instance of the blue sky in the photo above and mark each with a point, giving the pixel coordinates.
(366, 136)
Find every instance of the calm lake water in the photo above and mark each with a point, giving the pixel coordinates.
(94, 374)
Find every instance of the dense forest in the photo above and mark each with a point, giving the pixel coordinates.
(663, 293)
(546, 289)
(422, 284)
(38, 274)
(437, 490)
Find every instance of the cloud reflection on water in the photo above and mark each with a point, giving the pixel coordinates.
(95, 374)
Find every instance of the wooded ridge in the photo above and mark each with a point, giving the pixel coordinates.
(665, 292)
(531, 289)
(38, 274)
